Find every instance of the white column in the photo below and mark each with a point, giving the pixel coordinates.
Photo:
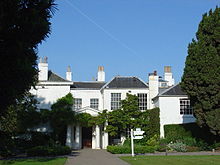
(105, 141)
(68, 136)
(78, 137)
(97, 130)
(93, 138)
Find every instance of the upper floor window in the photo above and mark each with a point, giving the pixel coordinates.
(185, 107)
(142, 101)
(94, 103)
(77, 104)
(115, 101)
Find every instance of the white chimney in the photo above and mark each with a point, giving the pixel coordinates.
(153, 87)
(101, 74)
(43, 69)
(168, 75)
(69, 74)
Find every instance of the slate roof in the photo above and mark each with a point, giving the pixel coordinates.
(53, 77)
(173, 91)
(126, 82)
(88, 85)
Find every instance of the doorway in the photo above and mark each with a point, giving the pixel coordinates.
(87, 137)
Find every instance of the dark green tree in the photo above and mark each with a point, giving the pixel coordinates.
(23, 25)
(201, 78)
(125, 118)
(61, 116)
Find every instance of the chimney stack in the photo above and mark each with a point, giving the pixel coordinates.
(168, 75)
(69, 74)
(43, 69)
(101, 74)
(153, 87)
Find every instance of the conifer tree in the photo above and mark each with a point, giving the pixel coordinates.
(201, 78)
(23, 25)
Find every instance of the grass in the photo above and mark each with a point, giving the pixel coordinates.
(38, 161)
(173, 160)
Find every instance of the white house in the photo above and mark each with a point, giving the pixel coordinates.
(95, 96)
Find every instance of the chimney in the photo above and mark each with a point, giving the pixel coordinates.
(69, 74)
(43, 69)
(101, 74)
(168, 75)
(153, 87)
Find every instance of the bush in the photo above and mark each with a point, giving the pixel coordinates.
(175, 132)
(127, 150)
(178, 146)
(49, 151)
(192, 149)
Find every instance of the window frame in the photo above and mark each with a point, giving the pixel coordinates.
(115, 101)
(185, 107)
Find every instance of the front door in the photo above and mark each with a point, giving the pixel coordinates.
(87, 137)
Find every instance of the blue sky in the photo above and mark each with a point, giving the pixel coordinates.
(127, 37)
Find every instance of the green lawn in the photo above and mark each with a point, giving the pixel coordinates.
(39, 161)
(173, 160)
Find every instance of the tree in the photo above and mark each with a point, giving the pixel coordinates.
(125, 118)
(201, 78)
(23, 25)
(61, 116)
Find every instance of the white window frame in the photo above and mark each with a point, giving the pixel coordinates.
(115, 101)
(94, 103)
(142, 101)
(77, 103)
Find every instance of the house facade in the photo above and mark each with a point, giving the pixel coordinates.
(95, 96)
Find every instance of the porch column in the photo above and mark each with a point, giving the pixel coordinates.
(105, 141)
(78, 137)
(68, 136)
(97, 130)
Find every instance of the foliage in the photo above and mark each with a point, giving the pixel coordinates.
(23, 25)
(49, 150)
(153, 141)
(201, 78)
(151, 122)
(177, 146)
(21, 116)
(129, 116)
(189, 133)
(138, 149)
(61, 116)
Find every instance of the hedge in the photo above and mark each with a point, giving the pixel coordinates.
(127, 150)
(49, 151)
(175, 132)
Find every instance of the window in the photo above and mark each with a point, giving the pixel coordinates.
(115, 101)
(142, 101)
(94, 103)
(77, 103)
(185, 108)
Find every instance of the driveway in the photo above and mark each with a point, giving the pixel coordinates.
(94, 157)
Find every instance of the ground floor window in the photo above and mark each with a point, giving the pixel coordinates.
(185, 107)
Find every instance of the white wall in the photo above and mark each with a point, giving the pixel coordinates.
(170, 113)
(86, 95)
(47, 95)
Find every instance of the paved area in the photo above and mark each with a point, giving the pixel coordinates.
(94, 157)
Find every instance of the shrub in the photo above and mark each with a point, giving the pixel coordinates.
(49, 150)
(175, 132)
(178, 146)
(192, 149)
(127, 150)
